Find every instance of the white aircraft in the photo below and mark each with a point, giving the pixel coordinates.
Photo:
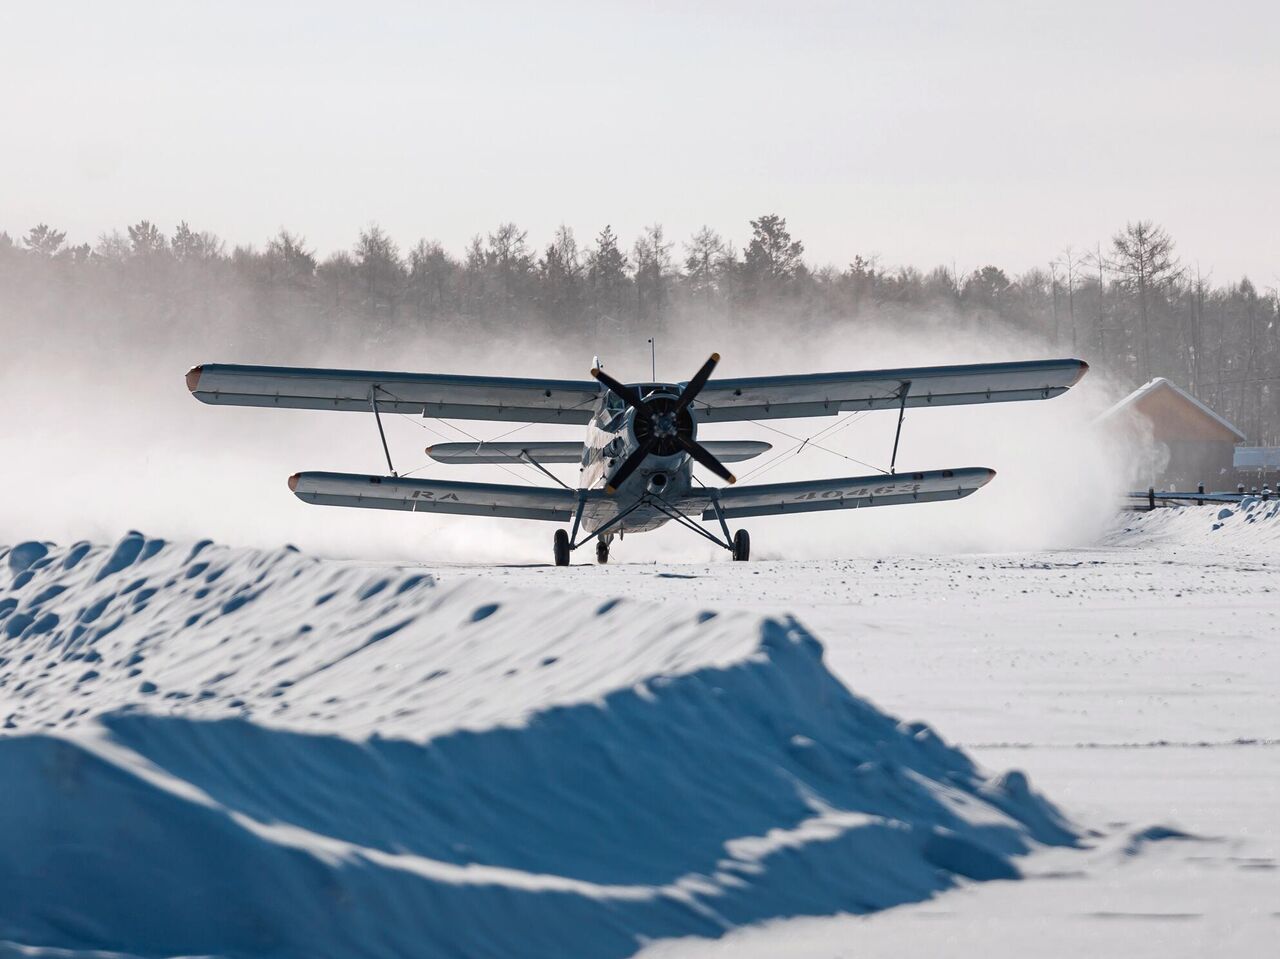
(641, 443)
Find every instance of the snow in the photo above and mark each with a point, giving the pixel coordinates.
(225, 751)
(1253, 524)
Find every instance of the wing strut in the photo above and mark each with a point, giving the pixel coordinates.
(524, 455)
(373, 401)
(577, 517)
(715, 504)
(902, 412)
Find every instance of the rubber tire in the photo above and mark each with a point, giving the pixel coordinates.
(602, 552)
(741, 546)
(561, 543)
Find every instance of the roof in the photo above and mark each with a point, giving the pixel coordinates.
(1160, 383)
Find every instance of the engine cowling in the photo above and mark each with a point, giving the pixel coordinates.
(666, 422)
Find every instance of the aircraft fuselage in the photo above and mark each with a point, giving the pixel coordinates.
(610, 439)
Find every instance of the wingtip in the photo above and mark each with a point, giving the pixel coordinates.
(193, 377)
(293, 482)
(1084, 368)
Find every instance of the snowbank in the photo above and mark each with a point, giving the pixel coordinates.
(1253, 522)
(232, 752)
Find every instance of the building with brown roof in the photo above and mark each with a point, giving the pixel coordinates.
(1181, 442)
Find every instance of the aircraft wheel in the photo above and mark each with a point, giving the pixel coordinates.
(741, 546)
(562, 548)
(602, 551)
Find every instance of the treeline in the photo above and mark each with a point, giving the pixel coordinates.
(1129, 306)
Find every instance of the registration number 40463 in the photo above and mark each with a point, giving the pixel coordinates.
(860, 493)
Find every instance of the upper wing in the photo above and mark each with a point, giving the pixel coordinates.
(434, 496)
(852, 492)
(427, 394)
(826, 394)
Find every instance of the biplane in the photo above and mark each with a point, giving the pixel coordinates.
(642, 441)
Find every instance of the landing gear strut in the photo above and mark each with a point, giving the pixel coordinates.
(738, 544)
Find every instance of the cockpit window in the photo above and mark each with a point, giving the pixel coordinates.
(614, 403)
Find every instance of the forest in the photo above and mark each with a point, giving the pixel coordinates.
(1129, 305)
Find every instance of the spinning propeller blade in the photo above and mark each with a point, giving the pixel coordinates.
(695, 385)
(629, 396)
(703, 456)
(629, 466)
(633, 399)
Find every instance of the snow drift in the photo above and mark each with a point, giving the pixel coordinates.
(234, 752)
(1254, 522)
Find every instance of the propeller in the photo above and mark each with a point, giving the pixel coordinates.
(663, 425)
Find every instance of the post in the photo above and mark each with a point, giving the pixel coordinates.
(1151, 497)
(373, 400)
(1200, 489)
(902, 412)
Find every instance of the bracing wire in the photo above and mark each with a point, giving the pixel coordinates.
(809, 441)
(828, 431)
(479, 442)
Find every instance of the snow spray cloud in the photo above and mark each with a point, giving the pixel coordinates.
(100, 436)
(1058, 482)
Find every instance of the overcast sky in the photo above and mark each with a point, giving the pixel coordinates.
(925, 133)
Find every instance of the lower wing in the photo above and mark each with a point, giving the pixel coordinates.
(434, 496)
(852, 492)
(727, 451)
(472, 453)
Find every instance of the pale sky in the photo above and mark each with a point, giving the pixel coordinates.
(925, 133)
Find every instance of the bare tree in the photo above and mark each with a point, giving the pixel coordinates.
(430, 268)
(653, 272)
(1070, 264)
(705, 254)
(560, 273)
(378, 264)
(1142, 258)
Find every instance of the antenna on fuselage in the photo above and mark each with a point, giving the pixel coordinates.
(653, 358)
